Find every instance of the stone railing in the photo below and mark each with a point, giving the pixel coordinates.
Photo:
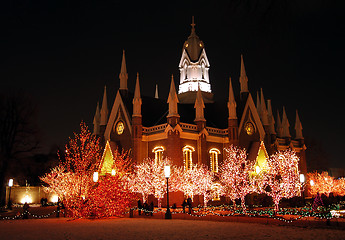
(154, 129)
(188, 127)
(217, 131)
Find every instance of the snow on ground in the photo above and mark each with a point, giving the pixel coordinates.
(146, 228)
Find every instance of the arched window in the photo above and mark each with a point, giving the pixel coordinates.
(187, 157)
(214, 152)
(215, 192)
(158, 153)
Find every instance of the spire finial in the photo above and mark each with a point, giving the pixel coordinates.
(193, 24)
(123, 74)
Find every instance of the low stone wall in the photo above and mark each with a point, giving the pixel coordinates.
(28, 194)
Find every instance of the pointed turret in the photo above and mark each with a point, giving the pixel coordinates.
(104, 109)
(172, 99)
(285, 125)
(258, 105)
(96, 121)
(137, 99)
(199, 107)
(279, 126)
(271, 121)
(263, 110)
(231, 102)
(243, 77)
(156, 92)
(298, 127)
(123, 74)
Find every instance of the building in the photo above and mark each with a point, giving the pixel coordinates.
(190, 127)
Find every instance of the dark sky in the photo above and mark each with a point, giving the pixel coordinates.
(63, 53)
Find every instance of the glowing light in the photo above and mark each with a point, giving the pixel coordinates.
(113, 172)
(257, 169)
(54, 198)
(312, 183)
(167, 171)
(26, 199)
(95, 176)
(10, 182)
(302, 178)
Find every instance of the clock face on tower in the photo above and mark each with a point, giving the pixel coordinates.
(120, 127)
(249, 127)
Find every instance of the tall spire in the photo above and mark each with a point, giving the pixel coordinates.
(231, 102)
(199, 107)
(156, 92)
(243, 77)
(104, 109)
(123, 74)
(270, 117)
(137, 99)
(263, 110)
(172, 99)
(258, 105)
(279, 125)
(96, 121)
(285, 125)
(298, 127)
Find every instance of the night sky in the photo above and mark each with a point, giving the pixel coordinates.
(62, 54)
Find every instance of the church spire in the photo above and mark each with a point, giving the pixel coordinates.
(263, 110)
(231, 102)
(96, 121)
(270, 117)
(104, 109)
(123, 74)
(243, 77)
(137, 99)
(298, 127)
(258, 105)
(199, 107)
(156, 92)
(285, 125)
(172, 99)
(279, 125)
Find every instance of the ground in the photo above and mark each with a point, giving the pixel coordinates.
(148, 228)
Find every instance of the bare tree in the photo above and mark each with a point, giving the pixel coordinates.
(18, 133)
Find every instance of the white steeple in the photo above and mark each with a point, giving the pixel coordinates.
(231, 102)
(279, 126)
(285, 125)
(104, 109)
(194, 65)
(298, 127)
(263, 110)
(243, 77)
(172, 99)
(96, 121)
(199, 107)
(271, 121)
(137, 99)
(156, 92)
(123, 74)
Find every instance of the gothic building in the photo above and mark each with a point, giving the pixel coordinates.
(190, 127)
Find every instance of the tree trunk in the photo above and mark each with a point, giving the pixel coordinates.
(243, 204)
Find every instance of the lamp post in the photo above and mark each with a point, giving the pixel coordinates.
(167, 175)
(302, 181)
(9, 203)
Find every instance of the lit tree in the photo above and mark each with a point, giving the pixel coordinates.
(322, 183)
(141, 180)
(197, 180)
(282, 176)
(110, 196)
(72, 179)
(149, 178)
(234, 175)
(340, 186)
